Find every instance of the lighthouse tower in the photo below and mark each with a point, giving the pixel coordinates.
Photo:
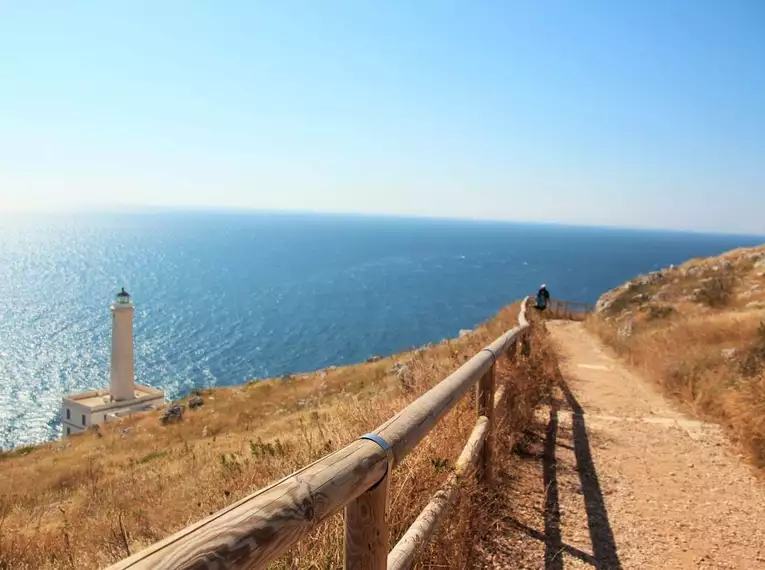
(122, 381)
(124, 396)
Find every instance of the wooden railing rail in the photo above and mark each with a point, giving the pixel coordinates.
(264, 525)
(572, 310)
(424, 526)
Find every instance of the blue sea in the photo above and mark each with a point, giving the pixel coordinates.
(223, 298)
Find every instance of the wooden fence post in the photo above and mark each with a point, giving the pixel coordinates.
(366, 529)
(525, 345)
(485, 407)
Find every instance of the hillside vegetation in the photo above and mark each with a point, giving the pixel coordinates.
(699, 330)
(95, 498)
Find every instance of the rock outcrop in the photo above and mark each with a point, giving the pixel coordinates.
(196, 401)
(172, 414)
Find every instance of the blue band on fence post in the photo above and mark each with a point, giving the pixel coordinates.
(385, 446)
(379, 440)
(490, 351)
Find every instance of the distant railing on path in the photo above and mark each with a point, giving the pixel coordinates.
(569, 310)
(259, 528)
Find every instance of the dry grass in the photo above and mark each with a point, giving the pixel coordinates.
(700, 332)
(95, 498)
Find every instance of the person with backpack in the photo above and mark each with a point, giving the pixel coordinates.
(543, 298)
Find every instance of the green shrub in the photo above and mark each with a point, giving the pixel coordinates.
(153, 456)
(18, 452)
(754, 360)
(655, 312)
(716, 292)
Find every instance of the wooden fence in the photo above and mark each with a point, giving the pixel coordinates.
(569, 310)
(259, 528)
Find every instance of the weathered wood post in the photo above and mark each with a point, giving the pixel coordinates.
(367, 537)
(366, 530)
(485, 407)
(566, 314)
(525, 345)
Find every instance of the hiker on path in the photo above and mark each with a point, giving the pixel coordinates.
(543, 298)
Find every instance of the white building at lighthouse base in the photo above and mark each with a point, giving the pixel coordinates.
(80, 411)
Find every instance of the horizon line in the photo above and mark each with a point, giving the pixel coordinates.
(211, 208)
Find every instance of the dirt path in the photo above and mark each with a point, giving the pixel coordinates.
(613, 477)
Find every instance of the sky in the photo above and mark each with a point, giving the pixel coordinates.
(618, 113)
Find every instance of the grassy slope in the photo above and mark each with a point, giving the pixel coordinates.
(94, 498)
(699, 330)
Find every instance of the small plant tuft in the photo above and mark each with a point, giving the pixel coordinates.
(260, 449)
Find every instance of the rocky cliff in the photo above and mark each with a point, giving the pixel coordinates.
(699, 331)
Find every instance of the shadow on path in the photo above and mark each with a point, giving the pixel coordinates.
(601, 535)
(553, 542)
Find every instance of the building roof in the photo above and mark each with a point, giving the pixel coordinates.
(98, 400)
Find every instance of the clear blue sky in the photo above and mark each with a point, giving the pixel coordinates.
(635, 113)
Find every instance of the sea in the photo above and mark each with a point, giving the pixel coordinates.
(223, 298)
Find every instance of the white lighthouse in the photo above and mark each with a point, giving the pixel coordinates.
(124, 396)
(121, 380)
